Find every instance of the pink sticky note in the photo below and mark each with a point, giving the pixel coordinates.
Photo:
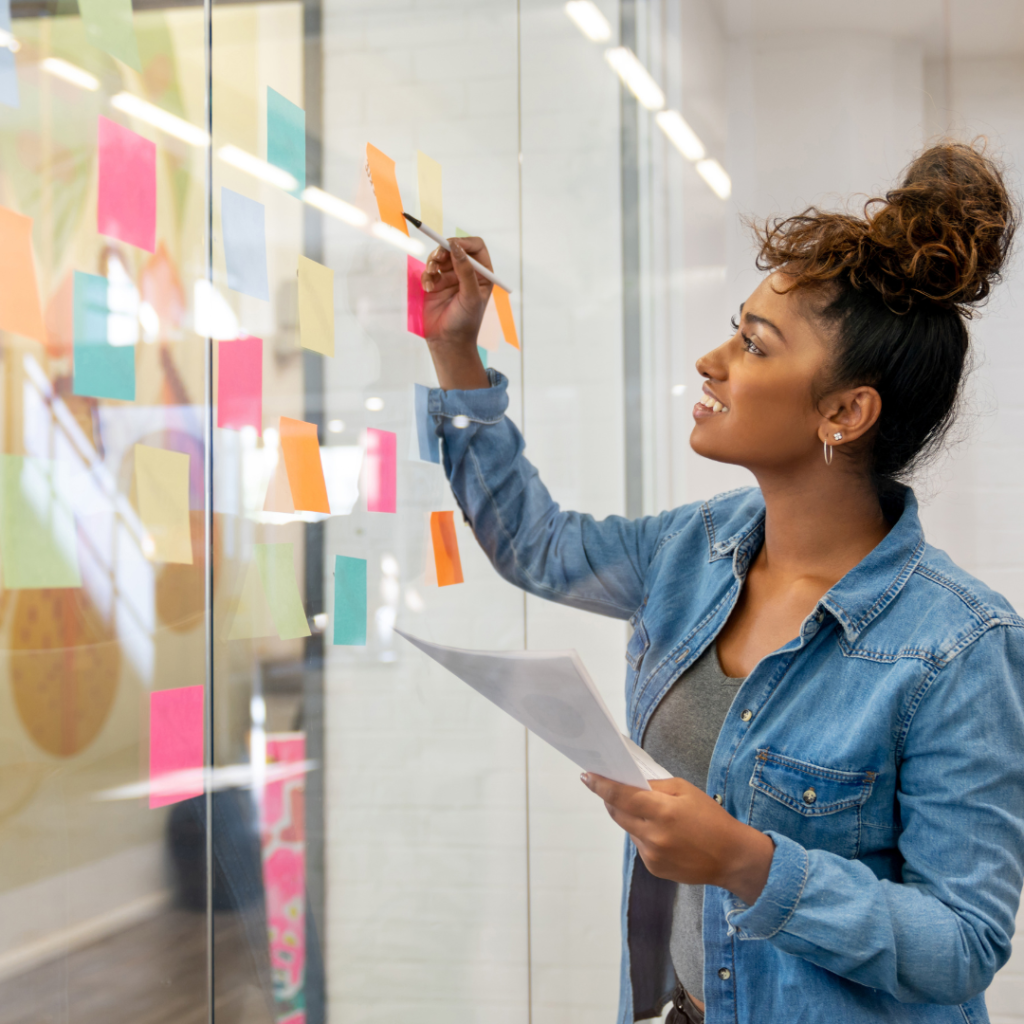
(127, 187)
(240, 383)
(175, 745)
(380, 463)
(416, 295)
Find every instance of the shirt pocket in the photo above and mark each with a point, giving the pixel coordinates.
(636, 649)
(818, 807)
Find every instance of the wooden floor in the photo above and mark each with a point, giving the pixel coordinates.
(152, 973)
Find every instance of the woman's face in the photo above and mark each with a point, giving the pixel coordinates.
(763, 376)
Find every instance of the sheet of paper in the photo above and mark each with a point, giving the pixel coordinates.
(126, 201)
(277, 571)
(175, 745)
(428, 444)
(380, 466)
(415, 295)
(108, 26)
(301, 452)
(245, 244)
(428, 176)
(20, 310)
(252, 617)
(316, 306)
(343, 464)
(350, 601)
(551, 693)
(385, 188)
(9, 95)
(504, 308)
(38, 540)
(240, 384)
(446, 549)
(286, 137)
(101, 370)
(161, 490)
(491, 333)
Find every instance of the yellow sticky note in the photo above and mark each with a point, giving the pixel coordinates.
(252, 617)
(316, 306)
(385, 188)
(428, 174)
(276, 563)
(504, 308)
(161, 489)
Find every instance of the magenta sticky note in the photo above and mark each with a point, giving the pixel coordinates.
(380, 465)
(240, 383)
(414, 286)
(175, 745)
(126, 207)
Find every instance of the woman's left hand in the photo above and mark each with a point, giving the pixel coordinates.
(683, 835)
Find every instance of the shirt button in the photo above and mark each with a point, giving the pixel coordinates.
(810, 796)
(724, 973)
(718, 798)
(746, 714)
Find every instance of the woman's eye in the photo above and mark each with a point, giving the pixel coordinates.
(748, 344)
(734, 322)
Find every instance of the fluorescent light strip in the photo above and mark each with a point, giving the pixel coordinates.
(635, 77)
(335, 207)
(413, 246)
(70, 73)
(588, 18)
(715, 175)
(159, 118)
(257, 168)
(681, 135)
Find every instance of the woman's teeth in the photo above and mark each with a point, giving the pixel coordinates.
(712, 404)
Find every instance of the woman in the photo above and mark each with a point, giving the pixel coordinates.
(842, 704)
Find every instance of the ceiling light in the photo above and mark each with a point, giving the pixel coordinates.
(159, 118)
(678, 389)
(413, 246)
(375, 404)
(336, 426)
(589, 20)
(70, 73)
(335, 207)
(715, 175)
(7, 41)
(257, 168)
(635, 77)
(681, 135)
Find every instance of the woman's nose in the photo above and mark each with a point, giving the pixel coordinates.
(711, 364)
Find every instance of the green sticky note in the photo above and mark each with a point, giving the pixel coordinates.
(286, 137)
(108, 25)
(101, 370)
(38, 542)
(483, 355)
(350, 601)
(276, 563)
(459, 233)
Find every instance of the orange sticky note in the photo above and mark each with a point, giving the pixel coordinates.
(385, 188)
(504, 308)
(446, 548)
(301, 452)
(20, 309)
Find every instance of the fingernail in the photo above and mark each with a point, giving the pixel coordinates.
(457, 251)
(428, 285)
(584, 778)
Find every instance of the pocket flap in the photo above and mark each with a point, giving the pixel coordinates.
(637, 646)
(807, 788)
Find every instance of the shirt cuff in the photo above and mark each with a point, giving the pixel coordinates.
(778, 901)
(481, 405)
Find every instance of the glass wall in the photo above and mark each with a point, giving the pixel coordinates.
(229, 789)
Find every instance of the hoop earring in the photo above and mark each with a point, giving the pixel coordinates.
(828, 454)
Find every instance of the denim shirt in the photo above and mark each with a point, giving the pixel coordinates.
(880, 749)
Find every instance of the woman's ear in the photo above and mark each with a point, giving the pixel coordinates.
(851, 413)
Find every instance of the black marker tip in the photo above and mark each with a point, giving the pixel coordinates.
(412, 220)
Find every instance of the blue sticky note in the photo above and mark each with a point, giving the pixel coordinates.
(483, 355)
(286, 137)
(430, 450)
(243, 228)
(101, 370)
(8, 77)
(350, 601)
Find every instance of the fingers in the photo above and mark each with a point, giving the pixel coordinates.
(474, 247)
(673, 787)
(627, 798)
(469, 283)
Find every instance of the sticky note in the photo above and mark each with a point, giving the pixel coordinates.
(286, 137)
(243, 230)
(301, 452)
(161, 490)
(504, 308)
(490, 327)
(428, 176)
(446, 549)
(252, 617)
(483, 355)
(240, 383)
(8, 75)
(428, 443)
(380, 468)
(349, 601)
(20, 309)
(385, 188)
(276, 564)
(175, 745)
(126, 201)
(316, 306)
(101, 370)
(416, 296)
(279, 493)
(108, 26)
(38, 540)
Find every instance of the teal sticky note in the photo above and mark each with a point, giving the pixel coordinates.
(286, 137)
(483, 355)
(350, 601)
(101, 370)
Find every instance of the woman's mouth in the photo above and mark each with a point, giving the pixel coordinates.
(707, 406)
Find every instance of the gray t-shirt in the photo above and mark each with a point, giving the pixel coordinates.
(681, 736)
